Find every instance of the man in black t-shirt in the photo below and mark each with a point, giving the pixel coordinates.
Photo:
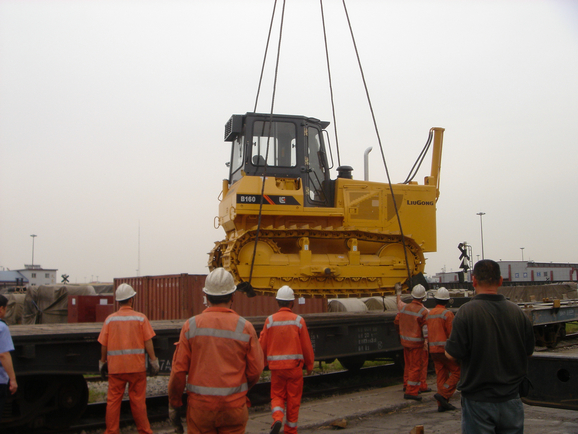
(492, 338)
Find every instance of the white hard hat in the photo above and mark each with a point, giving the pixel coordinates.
(219, 282)
(442, 294)
(124, 292)
(285, 293)
(418, 291)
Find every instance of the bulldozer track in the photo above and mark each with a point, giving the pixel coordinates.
(227, 252)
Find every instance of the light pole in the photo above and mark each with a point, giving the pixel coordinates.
(482, 231)
(522, 249)
(33, 236)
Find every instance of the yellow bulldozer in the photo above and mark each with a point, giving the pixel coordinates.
(288, 223)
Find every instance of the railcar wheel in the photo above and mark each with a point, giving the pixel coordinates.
(398, 360)
(45, 401)
(70, 400)
(352, 363)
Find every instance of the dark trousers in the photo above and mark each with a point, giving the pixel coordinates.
(492, 417)
(3, 396)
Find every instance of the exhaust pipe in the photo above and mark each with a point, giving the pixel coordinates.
(366, 163)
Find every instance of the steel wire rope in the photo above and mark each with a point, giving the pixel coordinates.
(269, 131)
(379, 142)
(265, 56)
(330, 85)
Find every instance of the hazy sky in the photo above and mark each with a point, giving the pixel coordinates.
(112, 116)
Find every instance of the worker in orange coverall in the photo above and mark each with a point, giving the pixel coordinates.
(125, 336)
(410, 322)
(424, 354)
(287, 348)
(439, 325)
(218, 360)
(175, 413)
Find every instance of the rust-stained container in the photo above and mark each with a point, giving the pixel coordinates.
(82, 308)
(173, 296)
(102, 311)
(266, 305)
(180, 296)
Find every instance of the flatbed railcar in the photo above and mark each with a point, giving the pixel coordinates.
(548, 318)
(51, 359)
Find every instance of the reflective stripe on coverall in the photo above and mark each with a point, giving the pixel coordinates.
(439, 323)
(124, 334)
(287, 348)
(219, 359)
(410, 321)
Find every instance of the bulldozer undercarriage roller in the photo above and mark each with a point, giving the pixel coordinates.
(319, 263)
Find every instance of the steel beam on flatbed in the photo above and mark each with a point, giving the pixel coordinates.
(554, 377)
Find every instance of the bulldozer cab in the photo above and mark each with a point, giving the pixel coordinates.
(281, 146)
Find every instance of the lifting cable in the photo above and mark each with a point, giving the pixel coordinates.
(265, 56)
(420, 158)
(330, 86)
(261, 199)
(380, 146)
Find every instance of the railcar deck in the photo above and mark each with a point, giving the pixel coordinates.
(73, 348)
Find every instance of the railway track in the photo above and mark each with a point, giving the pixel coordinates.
(51, 361)
(329, 383)
(568, 342)
(317, 385)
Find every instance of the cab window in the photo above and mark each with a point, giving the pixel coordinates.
(315, 162)
(237, 158)
(274, 143)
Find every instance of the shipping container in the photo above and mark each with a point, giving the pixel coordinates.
(82, 308)
(180, 296)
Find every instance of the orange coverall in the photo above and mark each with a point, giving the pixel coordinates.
(410, 321)
(124, 334)
(219, 359)
(287, 348)
(439, 324)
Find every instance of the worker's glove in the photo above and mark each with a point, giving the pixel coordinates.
(175, 419)
(154, 367)
(397, 288)
(103, 369)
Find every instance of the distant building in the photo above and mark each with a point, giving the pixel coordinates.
(521, 271)
(12, 278)
(449, 277)
(36, 275)
(530, 271)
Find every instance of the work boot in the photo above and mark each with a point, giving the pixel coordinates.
(276, 427)
(414, 397)
(444, 404)
(426, 390)
(448, 407)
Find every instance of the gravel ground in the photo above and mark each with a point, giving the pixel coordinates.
(155, 386)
